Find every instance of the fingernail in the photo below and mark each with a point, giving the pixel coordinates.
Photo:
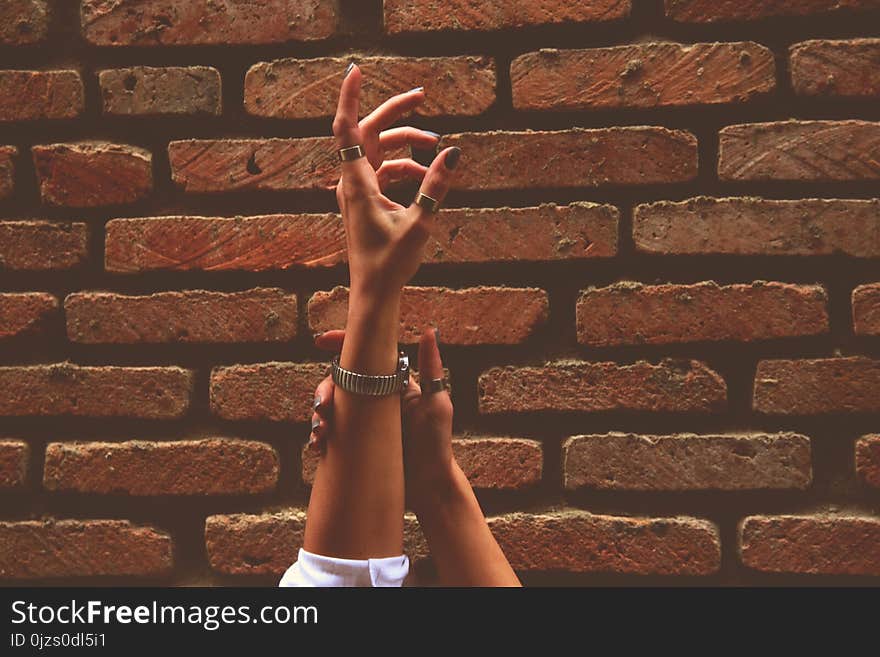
(412, 91)
(437, 336)
(317, 402)
(432, 133)
(317, 335)
(313, 441)
(348, 70)
(452, 157)
(315, 424)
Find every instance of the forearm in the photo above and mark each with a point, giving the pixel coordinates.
(463, 548)
(357, 501)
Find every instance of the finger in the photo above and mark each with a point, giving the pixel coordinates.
(396, 138)
(430, 364)
(330, 340)
(395, 171)
(346, 128)
(436, 183)
(413, 392)
(324, 398)
(392, 109)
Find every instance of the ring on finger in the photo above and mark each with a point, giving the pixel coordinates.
(351, 153)
(434, 386)
(425, 201)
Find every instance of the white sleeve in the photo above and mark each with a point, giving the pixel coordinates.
(316, 570)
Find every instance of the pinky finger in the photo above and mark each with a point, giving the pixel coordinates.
(395, 171)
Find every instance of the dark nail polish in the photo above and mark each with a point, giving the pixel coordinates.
(412, 91)
(317, 335)
(315, 423)
(317, 402)
(348, 70)
(452, 157)
(437, 336)
(432, 133)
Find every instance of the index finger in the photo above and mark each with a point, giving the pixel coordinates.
(430, 364)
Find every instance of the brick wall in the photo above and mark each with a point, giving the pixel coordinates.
(657, 282)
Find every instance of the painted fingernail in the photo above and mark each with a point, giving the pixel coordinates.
(317, 402)
(432, 133)
(437, 336)
(316, 422)
(312, 442)
(348, 70)
(317, 335)
(412, 91)
(452, 157)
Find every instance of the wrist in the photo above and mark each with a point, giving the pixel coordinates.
(436, 487)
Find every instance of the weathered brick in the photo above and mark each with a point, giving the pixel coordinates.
(23, 22)
(205, 22)
(643, 75)
(620, 461)
(866, 309)
(573, 158)
(811, 544)
(7, 170)
(836, 68)
(489, 463)
(309, 88)
(240, 544)
(93, 174)
(274, 242)
(868, 460)
(821, 151)
(581, 542)
(66, 389)
(257, 315)
(221, 165)
(633, 313)
(413, 16)
(281, 392)
(22, 313)
(755, 226)
(170, 90)
(214, 466)
(33, 95)
(812, 387)
(670, 386)
(41, 245)
(471, 316)
(82, 548)
(711, 11)
(14, 459)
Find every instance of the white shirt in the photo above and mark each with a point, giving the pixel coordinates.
(316, 570)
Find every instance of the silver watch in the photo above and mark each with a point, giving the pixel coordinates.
(374, 385)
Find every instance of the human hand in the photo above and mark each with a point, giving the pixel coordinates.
(427, 419)
(385, 240)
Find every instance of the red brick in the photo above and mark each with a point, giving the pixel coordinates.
(257, 315)
(204, 22)
(23, 22)
(821, 151)
(619, 461)
(581, 542)
(170, 90)
(25, 312)
(670, 386)
(710, 11)
(812, 387)
(573, 158)
(644, 75)
(413, 16)
(14, 458)
(309, 88)
(755, 226)
(82, 548)
(812, 544)
(836, 68)
(866, 309)
(499, 464)
(240, 544)
(471, 316)
(34, 95)
(868, 460)
(66, 389)
(7, 170)
(281, 392)
(224, 165)
(41, 245)
(276, 242)
(214, 466)
(93, 174)
(633, 313)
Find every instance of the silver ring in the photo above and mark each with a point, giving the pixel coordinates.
(435, 385)
(351, 153)
(425, 201)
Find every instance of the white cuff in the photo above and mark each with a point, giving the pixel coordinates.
(317, 570)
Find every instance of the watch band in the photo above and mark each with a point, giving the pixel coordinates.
(369, 384)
